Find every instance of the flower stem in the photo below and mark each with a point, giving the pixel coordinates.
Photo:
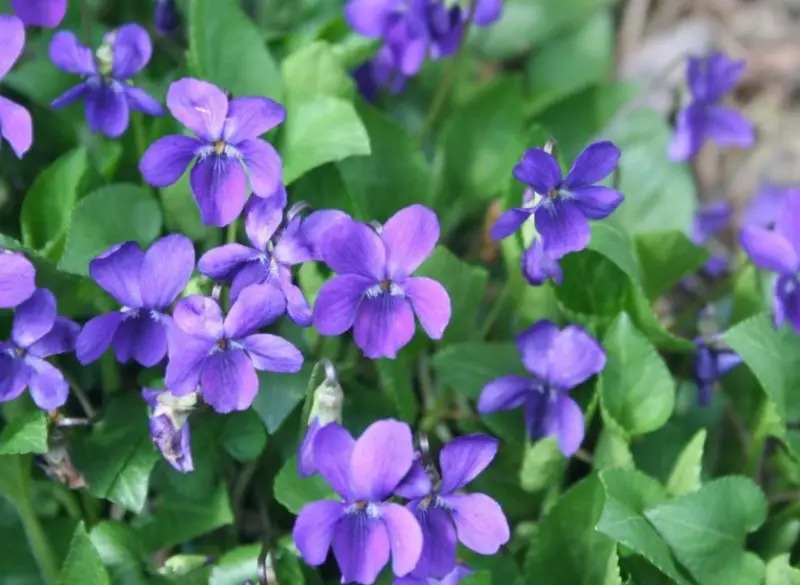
(37, 540)
(86, 22)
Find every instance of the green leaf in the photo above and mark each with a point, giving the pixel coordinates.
(288, 568)
(636, 389)
(25, 434)
(14, 478)
(396, 378)
(614, 243)
(467, 367)
(466, 285)
(49, 203)
(315, 70)
(706, 530)
(612, 450)
(83, 564)
(479, 578)
(226, 48)
(320, 129)
(120, 552)
(666, 257)
(243, 435)
(542, 465)
(685, 476)
(628, 494)
(279, 395)
(181, 213)
(593, 285)
(106, 217)
(293, 492)
(395, 169)
(780, 572)
(566, 538)
(119, 455)
(236, 566)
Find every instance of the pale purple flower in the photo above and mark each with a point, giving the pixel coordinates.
(712, 361)
(45, 13)
(765, 205)
(538, 267)
(454, 578)
(227, 148)
(446, 514)
(710, 79)
(16, 126)
(17, 279)
(374, 292)
(36, 334)
(169, 429)
(565, 205)
(712, 218)
(106, 89)
(274, 249)
(167, 19)
(145, 284)
(363, 527)
(559, 361)
(778, 250)
(220, 355)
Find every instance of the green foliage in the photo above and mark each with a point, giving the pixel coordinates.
(83, 564)
(293, 492)
(25, 434)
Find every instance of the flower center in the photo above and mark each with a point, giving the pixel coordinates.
(219, 147)
(223, 344)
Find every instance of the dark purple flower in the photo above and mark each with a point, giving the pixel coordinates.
(106, 89)
(228, 149)
(559, 361)
(145, 284)
(17, 279)
(46, 13)
(363, 527)
(273, 251)
(374, 292)
(221, 355)
(454, 578)
(380, 72)
(167, 19)
(169, 426)
(36, 334)
(710, 79)
(765, 205)
(562, 208)
(778, 250)
(711, 362)
(447, 515)
(711, 219)
(16, 126)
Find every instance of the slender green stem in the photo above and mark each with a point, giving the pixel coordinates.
(497, 309)
(86, 21)
(109, 373)
(81, 395)
(231, 232)
(40, 547)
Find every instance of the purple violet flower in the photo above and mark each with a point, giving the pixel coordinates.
(765, 205)
(559, 361)
(106, 90)
(36, 334)
(45, 13)
(362, 528)
(710, 79)
(447, 515)
(326, 409)
(167, 19)
(565, 205)
(778, 250)
(17, 279)
(145, 284)
(710, 219)
(169, 426)
(273, 251)
(711, 362)
(537, 266)
(454, 578)
(227, 148)
(374, 292)
(16, 126)
(221, 354)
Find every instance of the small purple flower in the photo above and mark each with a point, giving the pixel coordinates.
(326, 409)
(778, 250)
(564, 206)
(221, 355)
(537, 266)
(711, 362)
(145, 284)
(559, 361)
(765, 205)
(16, 126)
(169, 427)
(107, 91)
(363, 527)
(36, 334)
(374, 292)
(710, 79)
(17, 279)
(446, 515)
(454, 578)
(45, 13)
(711, 219)
(272, 253)
(167, 19)
(228, 149)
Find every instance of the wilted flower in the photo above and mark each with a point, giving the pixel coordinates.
(169, 426)
(167, 19)
(46, 13)
(454, 578)
(711, 219)
(710, 79)
(145, 284)
(363, 527)
(374, 292)
(559, 361)
(765, 205)
(447, 515)
(221, 355)
(565, 205)
(16, 126)
(36, 334)
(325, 409)
(228, 149)
(107, 91)
(778, 250)
(17, 279)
